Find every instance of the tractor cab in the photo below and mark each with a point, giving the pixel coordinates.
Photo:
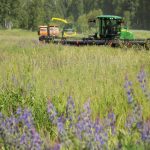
(109, 26)
(42, 31)
(53, 30)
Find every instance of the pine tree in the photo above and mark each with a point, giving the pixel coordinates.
(28, 14)
(36, 14)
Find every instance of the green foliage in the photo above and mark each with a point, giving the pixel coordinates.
(82, 23)
(27, 14)
(9, 12)
(83, 20)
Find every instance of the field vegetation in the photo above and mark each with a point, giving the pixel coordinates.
(36, 77)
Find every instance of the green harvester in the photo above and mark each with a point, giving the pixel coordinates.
(111, 31)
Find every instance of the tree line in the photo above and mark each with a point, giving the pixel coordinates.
(28, 14)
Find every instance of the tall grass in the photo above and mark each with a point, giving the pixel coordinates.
(32, 73)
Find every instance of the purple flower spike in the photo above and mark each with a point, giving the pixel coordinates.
(84, 126)
(23, 139)
(56, 146)
(26, 117)
(52, 113)
(87, 108)
(19, 132)
(36, 139)
(145, 132)
(19, 111)
(60, 125)
(112, 121)
(130, 121)
(137, 112)
(70, 110)
(100, 135)
(129, 90)
(142, 78)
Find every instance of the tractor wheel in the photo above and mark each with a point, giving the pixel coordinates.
(147, 46)
(42, 41)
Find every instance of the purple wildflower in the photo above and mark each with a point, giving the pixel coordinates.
(62, 132)
(36, 140)
(100, 135)
(145, 132)
(26, 117)
(84, 127)
(84, 123)
(142, 78)
(129, 90)
(137, 112)
(57, 146)
(19, 111)
(60, 122)
(52, 113)
(70, 111)
(92, 133)
(87, 108)
(111, 121)
(139, 126)
(23, 139)
(134, 120)
(60, 126)
(130, 122)
(19, 132)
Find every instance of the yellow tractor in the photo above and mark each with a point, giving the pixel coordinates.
(68, 30)
(47, 33)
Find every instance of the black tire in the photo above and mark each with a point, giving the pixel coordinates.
(41, 38)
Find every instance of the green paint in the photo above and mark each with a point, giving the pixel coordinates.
(108, 17)
(113, 21)
(125, 34)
